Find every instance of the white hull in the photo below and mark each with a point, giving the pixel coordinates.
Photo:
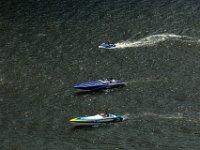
(107, 47)
(87, 124)
(97, 120)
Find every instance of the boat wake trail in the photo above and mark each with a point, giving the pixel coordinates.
(157, 116)
(164, 116)
(174, 116)
(126, 117)
(145, 80)
(155, 39)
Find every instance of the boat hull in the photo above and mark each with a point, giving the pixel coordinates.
(88, 121)
(91, 88)
(99, 85)
(107, 46)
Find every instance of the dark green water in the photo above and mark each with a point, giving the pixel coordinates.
(48, 46)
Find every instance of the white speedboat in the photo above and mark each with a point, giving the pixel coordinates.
(98, 119)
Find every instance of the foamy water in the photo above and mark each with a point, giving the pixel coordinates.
(145, 80)
(155, 39)
(164, 116)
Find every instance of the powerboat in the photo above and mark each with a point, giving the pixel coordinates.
(107, 46)
(100, 85)
(99, 119)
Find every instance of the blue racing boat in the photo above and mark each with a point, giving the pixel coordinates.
(99, 119)
(107, 46)
(100, 85)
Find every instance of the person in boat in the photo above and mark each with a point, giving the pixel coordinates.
(108, 42)
(104, 114)
(111, 80)
(107, 114)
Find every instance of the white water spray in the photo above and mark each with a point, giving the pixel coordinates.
(155, 39)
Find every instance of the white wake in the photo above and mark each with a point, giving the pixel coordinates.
(155, 39)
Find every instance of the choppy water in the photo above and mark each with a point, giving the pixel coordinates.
(48, 46)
